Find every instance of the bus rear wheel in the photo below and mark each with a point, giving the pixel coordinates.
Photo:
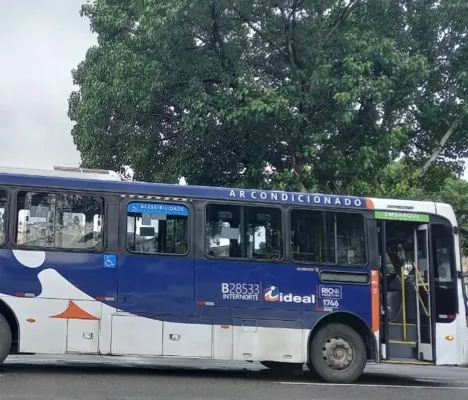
(5, 339)
(337, 354)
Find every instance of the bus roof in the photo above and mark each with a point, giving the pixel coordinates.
(185, 192)
(70, 172)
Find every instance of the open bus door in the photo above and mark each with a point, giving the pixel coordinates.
(406, 288)
(420, 297)
(422, 284)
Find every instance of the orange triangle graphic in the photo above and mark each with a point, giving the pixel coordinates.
(75, 312)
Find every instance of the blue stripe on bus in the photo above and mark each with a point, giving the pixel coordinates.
(197, 291)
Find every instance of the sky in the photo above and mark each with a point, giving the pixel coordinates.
(41, 41)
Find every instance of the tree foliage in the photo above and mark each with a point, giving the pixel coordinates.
(352, 96)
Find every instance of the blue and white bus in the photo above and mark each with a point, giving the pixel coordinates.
(105, 267)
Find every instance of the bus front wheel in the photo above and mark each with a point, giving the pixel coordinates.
(337, 354)
(5, 339)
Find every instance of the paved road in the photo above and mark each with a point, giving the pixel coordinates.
(114, 378)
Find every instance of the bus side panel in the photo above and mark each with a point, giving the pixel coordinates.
(278, 290)
(54, 294)
(272, 307)
(155, 285)
(24, 271)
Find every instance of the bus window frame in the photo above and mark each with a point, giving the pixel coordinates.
(435, 219)
(56, 190)
(439, 220)
(6, 215)
(365, 215)
(242, 205)
(123, 222)
(464, 282)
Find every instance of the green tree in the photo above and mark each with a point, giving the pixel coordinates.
(455, 192)
(358, 96)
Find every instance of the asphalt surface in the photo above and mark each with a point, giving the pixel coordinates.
(115, 378)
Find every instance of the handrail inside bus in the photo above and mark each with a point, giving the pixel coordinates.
(425, 287)
(403, 300)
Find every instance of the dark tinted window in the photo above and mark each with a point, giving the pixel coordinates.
(327, 237)
(465, 295)
(3, 211)
(444, 272)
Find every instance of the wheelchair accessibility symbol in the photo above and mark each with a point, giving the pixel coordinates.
(110, 261)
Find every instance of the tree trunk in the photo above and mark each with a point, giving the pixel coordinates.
(435, 154)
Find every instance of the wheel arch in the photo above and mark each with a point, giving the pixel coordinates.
(353, 321)
(10, 316)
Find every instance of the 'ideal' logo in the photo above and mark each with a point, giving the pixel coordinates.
(273, 294)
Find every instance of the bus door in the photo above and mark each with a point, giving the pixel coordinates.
(406, 294)
(422, 284)
(465, 292)
(155, 278)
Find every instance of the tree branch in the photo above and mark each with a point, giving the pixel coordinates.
(244, 18)
(435, 154)
(297, 165)
(184, 83)
(346, 13)
(288, 31)
(226, 62)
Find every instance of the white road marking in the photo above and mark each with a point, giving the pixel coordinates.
(374, 386)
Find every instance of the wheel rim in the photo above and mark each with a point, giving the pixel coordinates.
(338, 353)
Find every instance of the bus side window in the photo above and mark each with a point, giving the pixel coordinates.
(264, 233)
(3, 211)
(243, 232)
(223, 231)
(62, 221)
(307, 236)
(445, 289)
(157, 228)
(327, 237)
(465, 291)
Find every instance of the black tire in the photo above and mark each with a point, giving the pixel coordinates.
(350, 344)
(5, 339)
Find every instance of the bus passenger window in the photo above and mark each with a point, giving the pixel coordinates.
(222, 232)
(64, 221)
(350, 238)
(307, 236)
(327, 237)
(243, 232)
(157, 228)
(3, 210)
(264, 239)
